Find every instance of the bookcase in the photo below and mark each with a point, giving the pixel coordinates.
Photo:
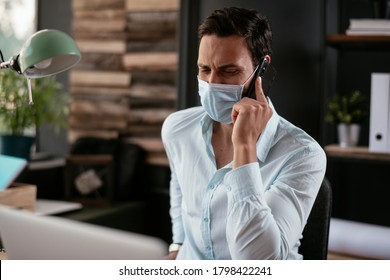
(360, 179)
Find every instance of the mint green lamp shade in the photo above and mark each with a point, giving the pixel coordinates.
(48, 52)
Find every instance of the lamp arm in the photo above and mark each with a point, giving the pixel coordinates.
(11, 63)
(4, 65)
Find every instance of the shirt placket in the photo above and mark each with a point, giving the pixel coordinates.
(206, 212)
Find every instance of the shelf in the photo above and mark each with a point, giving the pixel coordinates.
(355, 153)
(349, 41)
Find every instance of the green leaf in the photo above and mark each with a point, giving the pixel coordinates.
(16, 114)
(347, 109)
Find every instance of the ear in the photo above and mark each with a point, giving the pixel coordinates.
(268, 58)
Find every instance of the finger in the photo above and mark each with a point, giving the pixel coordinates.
(234, 113)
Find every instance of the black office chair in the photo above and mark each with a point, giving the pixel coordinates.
(314, 244)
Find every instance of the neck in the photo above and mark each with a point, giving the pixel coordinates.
(224, 130)
(222, 143)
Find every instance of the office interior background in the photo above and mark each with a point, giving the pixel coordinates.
(309, 70)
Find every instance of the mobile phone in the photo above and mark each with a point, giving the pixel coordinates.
(251, 93)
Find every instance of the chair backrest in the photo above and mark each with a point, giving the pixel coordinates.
(314, 244)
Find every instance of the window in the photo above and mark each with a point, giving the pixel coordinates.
(18, 22)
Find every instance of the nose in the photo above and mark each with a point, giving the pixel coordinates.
(214, 78)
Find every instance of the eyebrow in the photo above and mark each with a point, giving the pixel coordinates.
(230, 65)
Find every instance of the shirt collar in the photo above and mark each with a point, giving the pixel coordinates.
(207, 131)
(266, 139)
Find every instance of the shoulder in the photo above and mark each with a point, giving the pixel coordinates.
(181, 121)
(300, 141)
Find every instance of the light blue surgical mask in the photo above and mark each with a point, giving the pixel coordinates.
(218, 99)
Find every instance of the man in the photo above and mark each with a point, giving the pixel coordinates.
(243, 178)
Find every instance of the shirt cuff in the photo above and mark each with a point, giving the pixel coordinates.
(244, 181)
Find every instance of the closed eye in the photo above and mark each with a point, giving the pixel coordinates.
(229, 71)
(204, 71)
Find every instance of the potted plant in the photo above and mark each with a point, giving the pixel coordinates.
(18, 118)
(348, 112)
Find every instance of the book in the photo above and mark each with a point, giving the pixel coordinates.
(369, 24)
(369, 27)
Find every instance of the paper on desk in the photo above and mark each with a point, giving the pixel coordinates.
(359, 239)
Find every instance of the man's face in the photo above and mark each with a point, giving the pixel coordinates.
(224, 60)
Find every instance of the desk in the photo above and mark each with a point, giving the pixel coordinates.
(129, 216)
(361, 184)
(54, 207)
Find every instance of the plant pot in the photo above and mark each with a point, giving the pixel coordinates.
(16, 145)
(348, 134)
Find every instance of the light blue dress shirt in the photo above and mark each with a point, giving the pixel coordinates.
(256, 211)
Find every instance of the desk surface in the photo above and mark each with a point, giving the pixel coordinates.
(53, 207)
(355, 153)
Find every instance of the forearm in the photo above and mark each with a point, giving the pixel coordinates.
(176, 214)
(251, 230)
(252, 233)
(244, 154)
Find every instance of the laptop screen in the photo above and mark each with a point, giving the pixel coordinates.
(10, 168)
(28, 236)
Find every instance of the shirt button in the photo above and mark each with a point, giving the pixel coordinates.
(229, 188)
(206, 220)
(211, 187)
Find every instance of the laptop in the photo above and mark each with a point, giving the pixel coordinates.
(27, 236)
(10, 168)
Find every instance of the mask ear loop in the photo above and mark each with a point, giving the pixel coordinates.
(251, 76)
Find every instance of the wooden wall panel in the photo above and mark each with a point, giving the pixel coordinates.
(125, 84)
(151, 5)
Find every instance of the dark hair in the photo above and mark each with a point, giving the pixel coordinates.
(249, 24)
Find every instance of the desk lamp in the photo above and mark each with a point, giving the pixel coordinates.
(45, 53)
